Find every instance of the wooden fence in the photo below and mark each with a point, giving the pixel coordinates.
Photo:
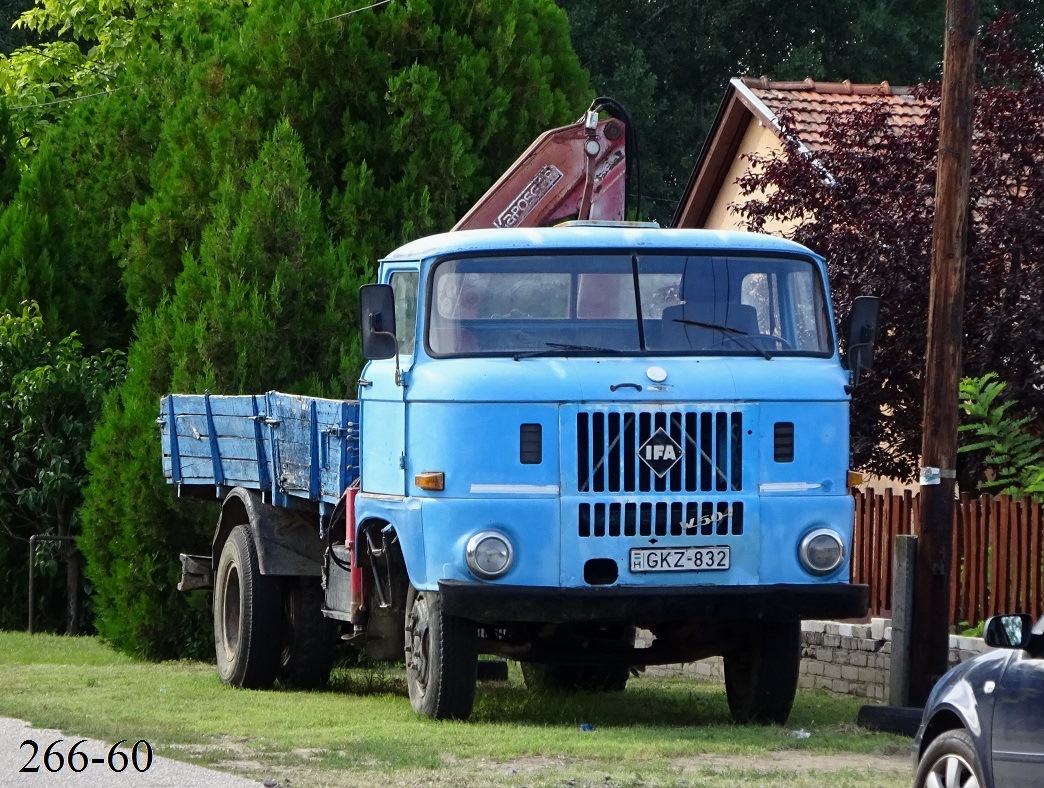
(998, 556)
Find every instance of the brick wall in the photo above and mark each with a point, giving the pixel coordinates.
(847, 659)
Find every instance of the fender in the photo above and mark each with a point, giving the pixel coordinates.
(287, 542)
(403, 517)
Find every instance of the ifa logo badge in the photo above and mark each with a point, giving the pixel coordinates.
(660, 452)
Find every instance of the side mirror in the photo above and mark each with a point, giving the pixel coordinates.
(862, 336)
(1009, 631)
(377, 321)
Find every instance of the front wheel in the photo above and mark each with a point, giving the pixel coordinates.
(247, 615)
(441, 658)
(949, 762)
(761, 676)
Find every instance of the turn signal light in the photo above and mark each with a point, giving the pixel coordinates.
(430, 480)
(855, 478)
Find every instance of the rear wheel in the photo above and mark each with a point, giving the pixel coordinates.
(575, 678)
(247, 615)
(949, 762)
(584, 678)
(308, 637)
(441, 658)
(761, 677)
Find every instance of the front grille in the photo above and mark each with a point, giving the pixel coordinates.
(676, 518)
(608, 445)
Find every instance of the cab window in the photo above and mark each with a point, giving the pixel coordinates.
(404, 286)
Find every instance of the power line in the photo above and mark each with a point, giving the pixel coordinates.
(67, 100)
(355, 11)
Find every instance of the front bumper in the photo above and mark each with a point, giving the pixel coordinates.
(491, 603)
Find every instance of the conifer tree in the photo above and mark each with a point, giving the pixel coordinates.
(35, 251)
(264, 305)
(290, 153)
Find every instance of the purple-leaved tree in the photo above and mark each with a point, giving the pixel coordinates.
(866, 203)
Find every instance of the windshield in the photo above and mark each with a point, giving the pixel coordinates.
(589, 304)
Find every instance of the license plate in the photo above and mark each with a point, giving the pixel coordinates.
(679, 559)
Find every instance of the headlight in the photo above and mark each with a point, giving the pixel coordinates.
(489, 554)
(822, 551)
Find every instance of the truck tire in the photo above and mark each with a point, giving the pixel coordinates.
(761, 678)
(575, 678)
(247, 615)
(441, 658)
(584, 678)
(308, 640)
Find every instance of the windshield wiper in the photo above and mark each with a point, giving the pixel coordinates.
(554, 347)
(729, 334)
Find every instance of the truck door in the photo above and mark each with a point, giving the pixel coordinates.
(382, 397)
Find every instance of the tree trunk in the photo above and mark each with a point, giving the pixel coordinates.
(72, 588)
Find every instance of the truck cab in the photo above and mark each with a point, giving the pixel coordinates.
(566, 434)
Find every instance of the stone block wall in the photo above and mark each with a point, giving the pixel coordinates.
(846, 659)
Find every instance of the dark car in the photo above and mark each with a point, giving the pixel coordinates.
(983, 725)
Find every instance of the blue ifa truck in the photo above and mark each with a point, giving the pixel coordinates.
(562, 435)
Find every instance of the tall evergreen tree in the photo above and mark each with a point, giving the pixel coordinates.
(259, 308)
(54, 249)
(291, 152)
(35, 252)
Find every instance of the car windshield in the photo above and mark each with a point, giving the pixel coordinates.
(589, 304)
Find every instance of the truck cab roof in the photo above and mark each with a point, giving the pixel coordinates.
(593, 236)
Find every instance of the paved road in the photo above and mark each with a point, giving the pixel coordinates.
(164, 772)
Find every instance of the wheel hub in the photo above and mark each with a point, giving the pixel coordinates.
(419, 641)
(951, 771)
(231, 613)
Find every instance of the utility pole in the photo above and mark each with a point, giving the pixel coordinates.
(931, 607)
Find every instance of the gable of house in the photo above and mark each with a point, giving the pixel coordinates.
(748, 122)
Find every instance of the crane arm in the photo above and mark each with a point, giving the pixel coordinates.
(573, 172)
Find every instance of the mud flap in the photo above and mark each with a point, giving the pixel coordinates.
(197, 571)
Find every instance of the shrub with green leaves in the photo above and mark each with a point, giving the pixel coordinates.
(51, 395)
(1004, 444)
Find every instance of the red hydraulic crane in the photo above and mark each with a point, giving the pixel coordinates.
(573, 172)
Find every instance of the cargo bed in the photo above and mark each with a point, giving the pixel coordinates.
(298, 451)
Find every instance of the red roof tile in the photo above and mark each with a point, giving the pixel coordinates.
(808, 104)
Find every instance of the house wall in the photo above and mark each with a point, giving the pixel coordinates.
(756, 139)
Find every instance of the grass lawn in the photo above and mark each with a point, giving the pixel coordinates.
(362, 731)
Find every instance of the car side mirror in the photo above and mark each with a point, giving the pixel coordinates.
(862, 336)
(377, 321)
(1012, 631)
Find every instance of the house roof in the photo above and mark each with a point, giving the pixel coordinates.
(807, 106)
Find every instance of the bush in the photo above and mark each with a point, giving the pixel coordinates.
(50, 397)
(1008, 457)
